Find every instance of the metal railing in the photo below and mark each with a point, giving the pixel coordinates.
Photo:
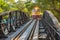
(53, 33)
(51, 24)
(11, 20)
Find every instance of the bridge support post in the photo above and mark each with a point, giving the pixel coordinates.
(10, 16)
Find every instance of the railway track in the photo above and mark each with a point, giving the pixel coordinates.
(32, 32)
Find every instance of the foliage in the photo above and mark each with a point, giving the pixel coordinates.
(52, 5)
(1, 10)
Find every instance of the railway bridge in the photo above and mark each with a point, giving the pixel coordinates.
(18, 26)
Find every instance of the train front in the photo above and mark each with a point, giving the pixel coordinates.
(36, 13)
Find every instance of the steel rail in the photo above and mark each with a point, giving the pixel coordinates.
(35, 36)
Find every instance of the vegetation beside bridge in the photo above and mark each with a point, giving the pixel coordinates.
(27, 5)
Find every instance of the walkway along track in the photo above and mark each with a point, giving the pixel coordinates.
(27, 33)
(35, 35)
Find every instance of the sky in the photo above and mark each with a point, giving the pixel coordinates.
(16, 0)
(21, 0)
(25, 0)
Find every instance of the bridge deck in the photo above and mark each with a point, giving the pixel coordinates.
(23, 28)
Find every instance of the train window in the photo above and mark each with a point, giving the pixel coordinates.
(33, 10)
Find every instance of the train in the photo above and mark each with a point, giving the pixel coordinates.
(36, 12)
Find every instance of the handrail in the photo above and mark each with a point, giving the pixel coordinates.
(52, 27)
(12, 20)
